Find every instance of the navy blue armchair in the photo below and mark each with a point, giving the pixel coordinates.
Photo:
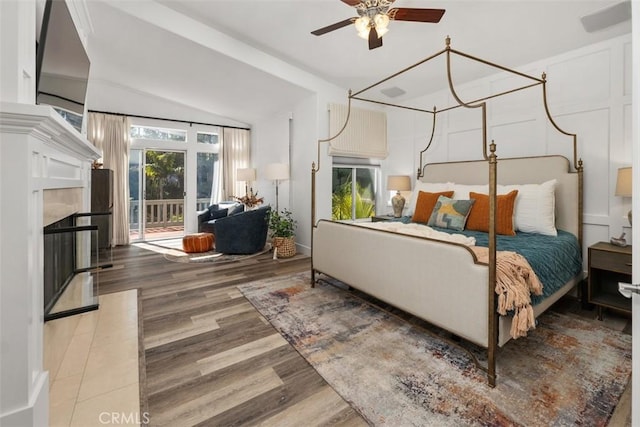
(243, 233)
(207, 217)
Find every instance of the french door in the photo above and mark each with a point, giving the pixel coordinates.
(157, 194)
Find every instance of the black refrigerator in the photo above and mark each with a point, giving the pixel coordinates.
(102, 205)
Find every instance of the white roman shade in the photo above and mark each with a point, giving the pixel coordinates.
(365, 135)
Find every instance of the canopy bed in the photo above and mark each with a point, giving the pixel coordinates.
(450, 282)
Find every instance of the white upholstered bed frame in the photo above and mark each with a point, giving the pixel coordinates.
(442, 282)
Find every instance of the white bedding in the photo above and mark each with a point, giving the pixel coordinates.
(419, 230)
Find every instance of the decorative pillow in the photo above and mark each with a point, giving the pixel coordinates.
(461, 191)
(216, 212)
(479, 216)
(428, 187)
(450, 213)
(425, 203)
(535, 207)
(235, 209)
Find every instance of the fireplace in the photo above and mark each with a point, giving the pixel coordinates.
(39, 152)
(71, 267)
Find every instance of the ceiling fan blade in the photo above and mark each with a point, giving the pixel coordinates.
(351, 2)
(332, 27)
(416, 15)
(374, 40)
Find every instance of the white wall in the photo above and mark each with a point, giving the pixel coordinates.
(304, 136)
(270, 144)
(292, 137)
(589, 93)
(18, 48)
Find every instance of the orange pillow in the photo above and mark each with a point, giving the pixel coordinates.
(425, 204)
(479, 216)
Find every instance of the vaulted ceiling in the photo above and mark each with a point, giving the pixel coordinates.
(244, 59)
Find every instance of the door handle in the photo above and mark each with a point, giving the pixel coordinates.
(627, 289)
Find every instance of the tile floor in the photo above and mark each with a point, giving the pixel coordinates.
(96, 381)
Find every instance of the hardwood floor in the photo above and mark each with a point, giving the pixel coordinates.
(210, 358)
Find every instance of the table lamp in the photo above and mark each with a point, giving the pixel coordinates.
(398, 183)
(247, 175)
(623, 185)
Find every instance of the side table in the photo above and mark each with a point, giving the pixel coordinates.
(608, 265)
(379, 218)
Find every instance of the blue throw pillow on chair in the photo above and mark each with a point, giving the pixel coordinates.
(235, 209)
(215, 212)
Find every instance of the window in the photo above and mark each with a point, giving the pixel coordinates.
(73, 118)
(207, 138)
(158, 134)
(206, 180)
(198, 146)
(353, 192)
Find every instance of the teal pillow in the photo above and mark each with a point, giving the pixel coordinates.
(216, 212)
(450, 213)
(236, 209)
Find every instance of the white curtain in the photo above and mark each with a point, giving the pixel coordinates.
(236, 153)
(111, 134)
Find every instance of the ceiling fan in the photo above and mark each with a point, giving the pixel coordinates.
(374, 17)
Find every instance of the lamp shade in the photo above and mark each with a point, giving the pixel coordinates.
(399, 182)
(245, 174)
(623, 184)
(276, 171)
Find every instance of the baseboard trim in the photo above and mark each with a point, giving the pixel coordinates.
(36, 413)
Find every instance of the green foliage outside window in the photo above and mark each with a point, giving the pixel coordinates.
(342, 203)
(164, 172)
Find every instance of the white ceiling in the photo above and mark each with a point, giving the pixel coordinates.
(162, 48)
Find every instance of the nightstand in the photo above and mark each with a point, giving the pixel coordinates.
(608, 265)
(378, 218)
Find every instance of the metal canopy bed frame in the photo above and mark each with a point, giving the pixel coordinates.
(489, 156)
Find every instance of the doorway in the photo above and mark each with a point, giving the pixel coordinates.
(157, 194)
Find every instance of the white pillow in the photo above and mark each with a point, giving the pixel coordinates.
(461, 191)
(535, 207)
(428, 187)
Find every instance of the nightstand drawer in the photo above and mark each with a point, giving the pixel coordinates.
(611, 261)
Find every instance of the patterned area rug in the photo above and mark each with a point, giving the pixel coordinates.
(568, 371)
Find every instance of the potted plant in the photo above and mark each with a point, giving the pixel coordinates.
(282, 228)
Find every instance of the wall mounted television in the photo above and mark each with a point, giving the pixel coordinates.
(62, 64)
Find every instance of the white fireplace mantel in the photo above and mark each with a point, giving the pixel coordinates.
(38, 151)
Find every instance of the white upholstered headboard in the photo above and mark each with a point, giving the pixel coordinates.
(524, 170)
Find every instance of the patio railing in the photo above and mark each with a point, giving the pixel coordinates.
(162, 213)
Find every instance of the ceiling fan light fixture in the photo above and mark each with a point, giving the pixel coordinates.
(374, 16)
(362, 24)
(382, 21)
(364, 34)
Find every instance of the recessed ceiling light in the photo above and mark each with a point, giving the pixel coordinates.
(393, 92)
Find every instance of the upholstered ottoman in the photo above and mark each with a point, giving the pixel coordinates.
(198, 242)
